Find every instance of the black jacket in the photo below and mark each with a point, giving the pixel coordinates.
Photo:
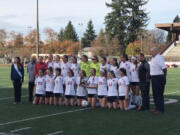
(15, 75)
(144, 71)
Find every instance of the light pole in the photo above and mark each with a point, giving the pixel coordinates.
(37, 44)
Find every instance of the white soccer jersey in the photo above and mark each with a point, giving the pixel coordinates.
(40, 85)
(50, 64)
(75, 68)
(115, 70)
(56, 65)
(102, 86)
(122, 83)
(126, 65)
(106, 67)
(134, 73)
(49, 83)
(112, 87)
(81, 90)
(58, 87)
(69, 83)
(93, 80)
(64, 68)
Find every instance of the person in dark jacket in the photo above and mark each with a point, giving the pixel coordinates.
(17, 78)
(144, 78)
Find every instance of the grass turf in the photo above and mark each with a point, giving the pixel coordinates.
(73, 121)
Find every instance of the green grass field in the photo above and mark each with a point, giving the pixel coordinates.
(28, 119)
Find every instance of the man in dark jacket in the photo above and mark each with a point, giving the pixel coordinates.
(144, 78)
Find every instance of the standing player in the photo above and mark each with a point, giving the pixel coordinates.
(58, 88)
(85, 65)
(56, 64)
(70, 84)
(40, 86)
(95, 64)
(75, 66)
(50, 62)
(92, 87)
(104, 65)
(102, 88)
(124, 63)
(123, 84)
(65, 66)
(81, 81)
(112, 90)
(115, 67)
(135, 81)
(49, 86)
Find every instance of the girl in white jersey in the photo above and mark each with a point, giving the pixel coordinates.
(50, 62)
(70, 86)
(81, 81)
(124, 63)
(104, 65)
(115, 67)
(102, 88)
(40, 85)
(65, 66)
(75, 66)
(49, 86)
(58, 88)
(112, 90)
(92, 87)
(56, 64)
(123, 84)
(135, 81)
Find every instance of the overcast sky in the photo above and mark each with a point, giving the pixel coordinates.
(18, 15)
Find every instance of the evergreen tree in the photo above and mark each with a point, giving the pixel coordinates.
(70, 33)
(116, 20)
(137, 19)
(61, 35)
(126, 20)
(169, 36)
(89, 35)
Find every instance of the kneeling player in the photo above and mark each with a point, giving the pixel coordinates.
(40, 84)
(81, 87)
(92, 87)
(49, 86)
(123, 84)
(58, 88)
(112, 90)
(102, 88)
(70, 85)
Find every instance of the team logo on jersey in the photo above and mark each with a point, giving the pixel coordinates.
(100, 83)
(39, 83)
(69, 83)
(119, 83)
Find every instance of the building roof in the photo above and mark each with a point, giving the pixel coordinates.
(173, 27)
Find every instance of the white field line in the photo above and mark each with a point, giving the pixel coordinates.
(168, 93)
(12, 97)
(55, 133)
(20, 129)
(41, 117)
(171, 93)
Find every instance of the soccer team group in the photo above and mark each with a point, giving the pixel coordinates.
(109, 84)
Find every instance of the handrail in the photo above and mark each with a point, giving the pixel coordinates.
(167, 46)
